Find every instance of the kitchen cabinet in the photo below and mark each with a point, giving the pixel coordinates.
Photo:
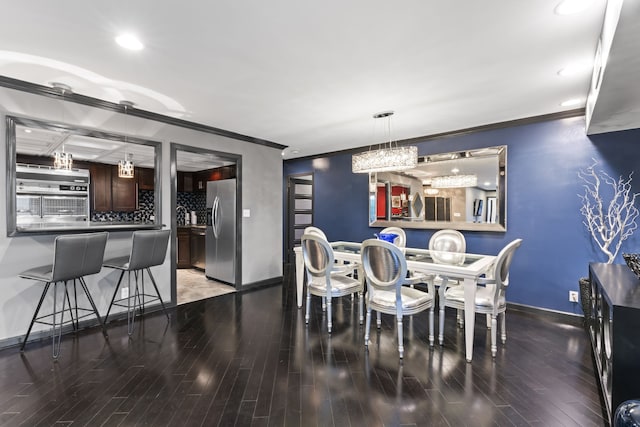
(613, 329)
(200, 181)
(124, 192)
(201, 178)
(146, 178)
(100, 187)
(185, 182)
(184, 247)
(109, 192)
(198, 256)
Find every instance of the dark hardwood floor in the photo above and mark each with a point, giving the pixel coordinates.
(247, 359)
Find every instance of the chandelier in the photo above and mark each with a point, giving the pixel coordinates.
(387, 158)
(125, 167)
(454, 181)
(61, 159)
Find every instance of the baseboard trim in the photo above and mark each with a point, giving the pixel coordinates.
(261, 284)
(83, 324)
(547, 314)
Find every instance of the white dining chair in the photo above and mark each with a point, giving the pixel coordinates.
(315, 230)
(448, 247)
(490, 295)
(385, 270)
(319, 265)
(401, 240)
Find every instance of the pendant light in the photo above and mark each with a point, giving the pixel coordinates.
(125, 167)
(61, 159)
(386, 158)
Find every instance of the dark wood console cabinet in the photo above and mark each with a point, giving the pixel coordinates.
(613, 329)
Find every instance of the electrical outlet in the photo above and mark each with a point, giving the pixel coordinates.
(124, 293)
(573, 296)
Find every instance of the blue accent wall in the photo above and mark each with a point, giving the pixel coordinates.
(543, 207)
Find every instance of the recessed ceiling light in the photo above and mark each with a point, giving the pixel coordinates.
(129, 41)
(27, 130)
(569, 7)
(295, 151)
(571, 102)
(455, 170)
(487, 183)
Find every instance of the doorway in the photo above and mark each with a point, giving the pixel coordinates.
(206, 248)
(299, 210)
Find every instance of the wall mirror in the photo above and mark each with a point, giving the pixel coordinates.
(463, 190)
(113, 181)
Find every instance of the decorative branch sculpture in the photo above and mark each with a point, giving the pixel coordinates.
(610, 223)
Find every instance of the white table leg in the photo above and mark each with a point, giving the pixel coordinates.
(469, 316)
(299, 277)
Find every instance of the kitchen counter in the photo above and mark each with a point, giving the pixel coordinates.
(79, 227)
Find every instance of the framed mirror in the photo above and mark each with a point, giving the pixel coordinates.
(463, 190)
(62, 178)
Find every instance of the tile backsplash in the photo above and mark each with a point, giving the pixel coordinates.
(143, 214)
(192, 202)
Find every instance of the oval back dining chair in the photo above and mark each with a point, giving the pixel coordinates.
(316, 231)
(74, 256)
(490, 295)
(385, 270)
(401, 240)
(321, 281)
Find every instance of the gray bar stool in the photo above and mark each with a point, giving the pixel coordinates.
(74, 256)
(148, 248)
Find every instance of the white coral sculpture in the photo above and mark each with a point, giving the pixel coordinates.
(610, 223)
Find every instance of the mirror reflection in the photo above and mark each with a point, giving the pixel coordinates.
(463, 190)
(60, 177)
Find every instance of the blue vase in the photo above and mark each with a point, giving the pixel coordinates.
(387, 237)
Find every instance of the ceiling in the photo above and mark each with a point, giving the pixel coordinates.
(310, 75)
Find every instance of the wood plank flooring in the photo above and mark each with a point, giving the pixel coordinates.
(248, 359)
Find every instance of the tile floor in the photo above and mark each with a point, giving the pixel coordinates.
(193, 285)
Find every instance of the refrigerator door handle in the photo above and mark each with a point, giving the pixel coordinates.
(216, 217)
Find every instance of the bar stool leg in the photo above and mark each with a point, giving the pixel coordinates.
(115, 293)
(57, 336)
(142, 284)
(153, 281)
(93, 305)
(35, 314)
(131, 317)
(74, 322)
(75, 292)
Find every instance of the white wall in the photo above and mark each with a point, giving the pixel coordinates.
(261, 193)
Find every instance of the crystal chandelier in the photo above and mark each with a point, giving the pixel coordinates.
(388, 158)
(62, 160)
(454, 181)
(125, 167)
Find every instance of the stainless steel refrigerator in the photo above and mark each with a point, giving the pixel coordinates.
(221, 231)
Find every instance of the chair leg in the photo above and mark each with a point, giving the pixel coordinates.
(93, 306)
(494, 327)
(360, 306)
(74, 322)
(329, 316)
(400, 338)
(56, 337)
(460, 318)
(367, 326)
(306, 316)
(431, 336)
(153, 281)
(131, 311)
(35, 314)
(75, 296)
(115, 293)
(503, 327)
(488, 316)
(441, 325)
(324, 303)
(378, 320)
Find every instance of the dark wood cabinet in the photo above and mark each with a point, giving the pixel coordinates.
(146, 178)
(198, 254)
(124, 192)
(613, 329)
(100, 187)
(200, 181)
(185, 182)
(184, 247)
(109, 192)
(201, 178)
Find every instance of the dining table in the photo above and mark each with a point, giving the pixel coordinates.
(466, 268)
